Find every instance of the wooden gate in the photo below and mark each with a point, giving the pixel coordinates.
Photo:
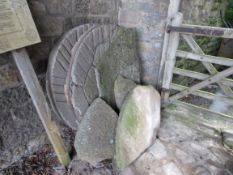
(174, 31)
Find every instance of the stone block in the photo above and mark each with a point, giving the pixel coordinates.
(62, 7)
(37, 7)
(48, 25)
(101, 7)
(129, 18)
(80, 6)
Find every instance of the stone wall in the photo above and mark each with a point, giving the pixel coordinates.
(148, 16)
(53, 18)
(201, 11)
(205, 12)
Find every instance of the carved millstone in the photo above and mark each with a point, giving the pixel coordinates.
(82, 79)
(59, 61)
(85, 65)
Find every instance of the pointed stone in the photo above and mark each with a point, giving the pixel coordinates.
(138, 124)
(94, 141)
(122, 88)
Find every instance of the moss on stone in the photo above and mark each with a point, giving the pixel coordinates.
(120, 158)
(129, 125)
(129, 121)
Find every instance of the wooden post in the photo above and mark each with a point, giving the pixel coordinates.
(173, 44)
(29, 76)
(172, 11)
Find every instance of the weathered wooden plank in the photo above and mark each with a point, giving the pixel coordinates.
(29, 76)
(205, 58)
(211, 69)
(191, 74)
(200, 76)
(210, 80)
(172, 11)
(202, 94)
(202, 30)
(173, 44)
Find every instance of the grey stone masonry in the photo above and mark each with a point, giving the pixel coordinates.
(54, 17)
(148, 17)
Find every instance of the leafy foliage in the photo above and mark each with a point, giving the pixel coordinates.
(229, 12)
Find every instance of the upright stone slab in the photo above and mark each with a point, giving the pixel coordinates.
(94, 141)
(138, 124)
(120, 59)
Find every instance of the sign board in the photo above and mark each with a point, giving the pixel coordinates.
(17, 28)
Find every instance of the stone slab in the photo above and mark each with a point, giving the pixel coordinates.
(94, 141)
(118, 59)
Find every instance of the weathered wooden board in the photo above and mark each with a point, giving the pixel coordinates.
(172, 11)
(28, 74)
(200, 76)
(173, 44)
(205, 58)
(202, 30)
(17, 28)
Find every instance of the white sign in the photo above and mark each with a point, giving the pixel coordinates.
(17, 28)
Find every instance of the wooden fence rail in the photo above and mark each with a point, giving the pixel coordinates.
(201, 30)
(200, 76)
(205, 58)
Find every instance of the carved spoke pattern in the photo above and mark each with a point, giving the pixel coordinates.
(71, 77)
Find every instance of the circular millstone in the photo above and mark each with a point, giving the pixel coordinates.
(82, 79)
(59, 61)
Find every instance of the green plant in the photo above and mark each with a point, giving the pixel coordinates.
(229, 12)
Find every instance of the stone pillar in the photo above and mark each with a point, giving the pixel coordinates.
(148, 17)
